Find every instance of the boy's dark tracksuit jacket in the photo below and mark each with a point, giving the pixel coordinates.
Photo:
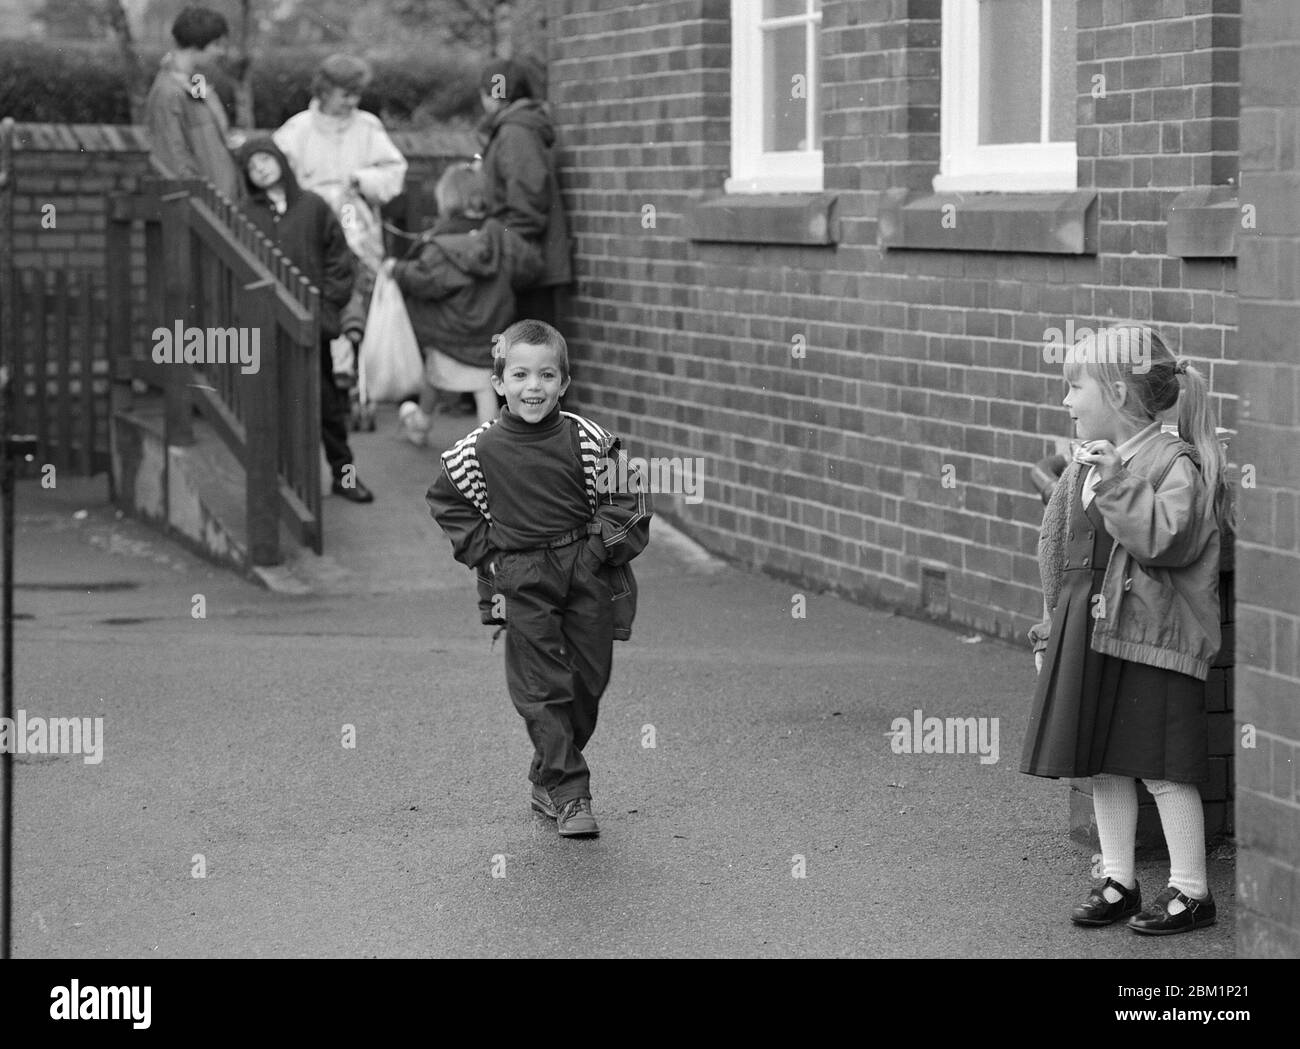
(459, 282)
(307, 232)
(534, 506)
(511, 486)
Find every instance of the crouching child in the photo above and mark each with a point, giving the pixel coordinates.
(459, 283)
(524, 503)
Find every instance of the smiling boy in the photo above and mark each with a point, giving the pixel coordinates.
(523, 501)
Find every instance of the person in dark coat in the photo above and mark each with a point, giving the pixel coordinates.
(519, 174)
(459, 283)
(189, 133)
(302, 225)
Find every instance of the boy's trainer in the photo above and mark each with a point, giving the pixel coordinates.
(541, 802)
(576, 821)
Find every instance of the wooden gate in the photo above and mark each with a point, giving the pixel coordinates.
(53, 351)
(60, 370)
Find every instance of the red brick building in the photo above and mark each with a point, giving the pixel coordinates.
(1268, 570)
(821, 245)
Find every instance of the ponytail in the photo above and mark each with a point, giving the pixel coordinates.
(1111, 356)
(1196, 426)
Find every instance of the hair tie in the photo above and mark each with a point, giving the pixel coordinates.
(1180, 366)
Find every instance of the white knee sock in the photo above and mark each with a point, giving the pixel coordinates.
(1115, 804)
(1183, 820)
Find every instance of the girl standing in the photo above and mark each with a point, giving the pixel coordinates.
(1129, 556)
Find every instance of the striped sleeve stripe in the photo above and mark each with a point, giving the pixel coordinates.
(462, 466)
(593, 445)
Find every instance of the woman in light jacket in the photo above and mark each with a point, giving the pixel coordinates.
(344, 154)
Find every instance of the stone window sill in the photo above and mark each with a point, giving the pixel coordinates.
(1040, 223)
(1203, 224)
(767, 218)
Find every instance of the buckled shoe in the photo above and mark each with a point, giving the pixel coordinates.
(1157, 921)
(1097, 910)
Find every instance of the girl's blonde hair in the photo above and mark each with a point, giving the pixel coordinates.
(1136, 357)
(460, 191)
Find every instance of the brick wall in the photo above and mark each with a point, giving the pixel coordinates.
(1268, 552)
(829, 470)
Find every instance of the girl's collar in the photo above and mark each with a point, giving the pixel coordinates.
(1129, 448)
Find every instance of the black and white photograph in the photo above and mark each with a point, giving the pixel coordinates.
(682, 479)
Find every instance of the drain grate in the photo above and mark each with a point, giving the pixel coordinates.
(83, 587)
(934, 590)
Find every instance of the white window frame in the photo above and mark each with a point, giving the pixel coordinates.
(964, 164)
(752, 169)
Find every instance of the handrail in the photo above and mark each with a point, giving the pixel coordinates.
(215, 233)
(212, 264)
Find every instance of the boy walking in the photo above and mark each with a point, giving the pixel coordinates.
(529, 501)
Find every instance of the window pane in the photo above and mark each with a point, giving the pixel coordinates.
(1064, 92)
(785, 103)
(1011, 73)
(783, 8)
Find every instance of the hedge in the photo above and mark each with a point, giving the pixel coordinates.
(85, 84)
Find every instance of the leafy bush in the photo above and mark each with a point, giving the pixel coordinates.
(71, 84)
(86, 84)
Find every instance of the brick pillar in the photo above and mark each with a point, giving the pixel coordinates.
(1158, 98)
(1268, 550)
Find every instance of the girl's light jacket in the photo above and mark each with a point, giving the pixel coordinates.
(325, 152)
(1159, 600)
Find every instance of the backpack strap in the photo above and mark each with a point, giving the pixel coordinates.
(1180, 451)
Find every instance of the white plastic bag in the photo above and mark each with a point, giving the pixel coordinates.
(362, 229)
(391, 365)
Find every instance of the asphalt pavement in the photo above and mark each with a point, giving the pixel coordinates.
(749, 798)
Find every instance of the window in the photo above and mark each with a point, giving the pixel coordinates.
(776, 127)
(1007, 118)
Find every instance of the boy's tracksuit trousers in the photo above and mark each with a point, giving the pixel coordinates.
(559, 651)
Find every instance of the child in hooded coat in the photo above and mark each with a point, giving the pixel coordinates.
(459, 281)
(302, 225)
(521, 179)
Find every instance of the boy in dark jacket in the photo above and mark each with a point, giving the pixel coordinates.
(531, 502)
(303, 226)
(459, 281)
